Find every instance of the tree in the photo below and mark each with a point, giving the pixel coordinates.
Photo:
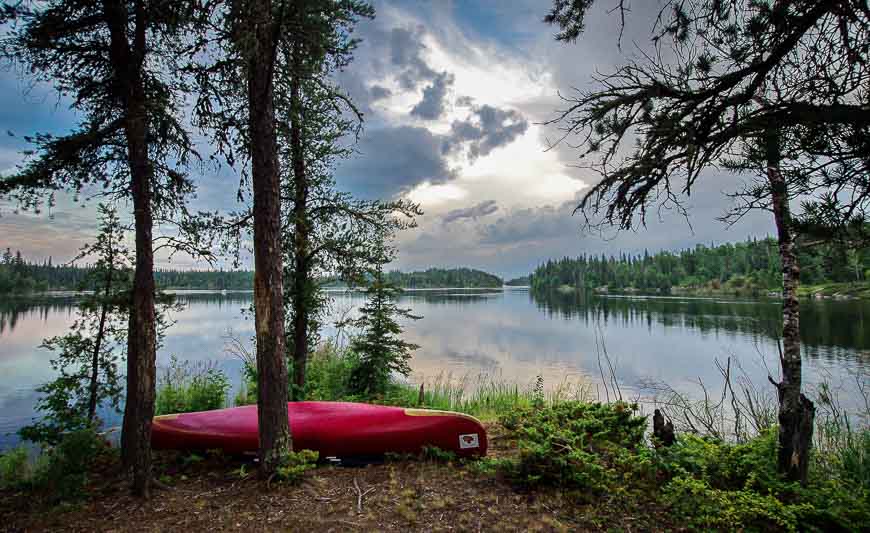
(325, 231)
(118, 61)
(380, 348)
(738, 80)
(237, 45)
(263, 30)
(87, 358)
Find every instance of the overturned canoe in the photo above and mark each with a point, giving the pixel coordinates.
(335, 429)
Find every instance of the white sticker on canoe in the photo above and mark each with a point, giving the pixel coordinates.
(469, 440)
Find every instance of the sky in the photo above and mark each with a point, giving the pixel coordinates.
(455, 96)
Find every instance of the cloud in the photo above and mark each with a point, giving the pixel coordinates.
(524, 226)
(378, 92)
(432, 105)
(406, 53)
(394, 159)
(486, 129)
(474, 212)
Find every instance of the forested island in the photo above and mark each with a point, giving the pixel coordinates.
(749, 268)
(444, 277)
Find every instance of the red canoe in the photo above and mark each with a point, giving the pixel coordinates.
(335, 429)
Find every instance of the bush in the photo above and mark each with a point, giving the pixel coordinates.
(714, 484)
(751, 465)
(577, 445)
(295, 464)
(15, 469)
(187, 388)
(328, 373)
(64, 474)
(697, 505)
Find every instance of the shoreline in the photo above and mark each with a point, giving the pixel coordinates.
(828, 291)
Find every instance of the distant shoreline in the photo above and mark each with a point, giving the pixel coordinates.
(171, 290)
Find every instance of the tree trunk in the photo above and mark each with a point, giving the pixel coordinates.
(301, 235)
(128, 86)
(275, 440)
(796, 411)
(95, 361)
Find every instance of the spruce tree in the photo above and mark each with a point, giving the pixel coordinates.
(87, 356)
(380, 348)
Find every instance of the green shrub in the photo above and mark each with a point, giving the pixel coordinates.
(727, 466)
(695, 504)
(708, 483)
(62, 473)
(577, 445)
(185, 388)
(328, 373)
(295, 464)
(15, 469)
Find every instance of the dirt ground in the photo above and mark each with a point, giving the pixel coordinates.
(220, 494)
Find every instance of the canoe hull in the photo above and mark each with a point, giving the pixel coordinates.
(338, 429)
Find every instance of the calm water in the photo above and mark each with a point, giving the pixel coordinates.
(511, 334)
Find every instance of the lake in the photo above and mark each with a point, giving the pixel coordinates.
(509, 334)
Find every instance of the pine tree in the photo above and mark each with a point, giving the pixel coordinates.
(87, 356)
(380, 347)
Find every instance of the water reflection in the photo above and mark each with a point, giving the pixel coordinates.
(828, 328)
(512, 333)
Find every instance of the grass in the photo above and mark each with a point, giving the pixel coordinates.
(483, 395)
(185, 387)
(486, 396)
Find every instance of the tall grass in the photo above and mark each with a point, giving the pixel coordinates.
(484, 395)
(841, 439)
(186, 387)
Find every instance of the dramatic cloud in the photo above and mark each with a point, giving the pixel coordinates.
(432, 105)
(474, 212)
(407, 50)
(485, 130)
(392, 160)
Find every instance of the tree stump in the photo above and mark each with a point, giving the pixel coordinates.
(663, 432)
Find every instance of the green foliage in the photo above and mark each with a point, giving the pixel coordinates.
(65, 473)
(295, 464)
(186, 387)
(328, 373)
(751, 465)
(598, 450)
(437, 455)
(574, 445)
(86, 357)
(712, 484)
(15, 469)
(695, 504)
(380, 348)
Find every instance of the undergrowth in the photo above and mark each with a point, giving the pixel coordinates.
(59, 473)
(595, 451)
